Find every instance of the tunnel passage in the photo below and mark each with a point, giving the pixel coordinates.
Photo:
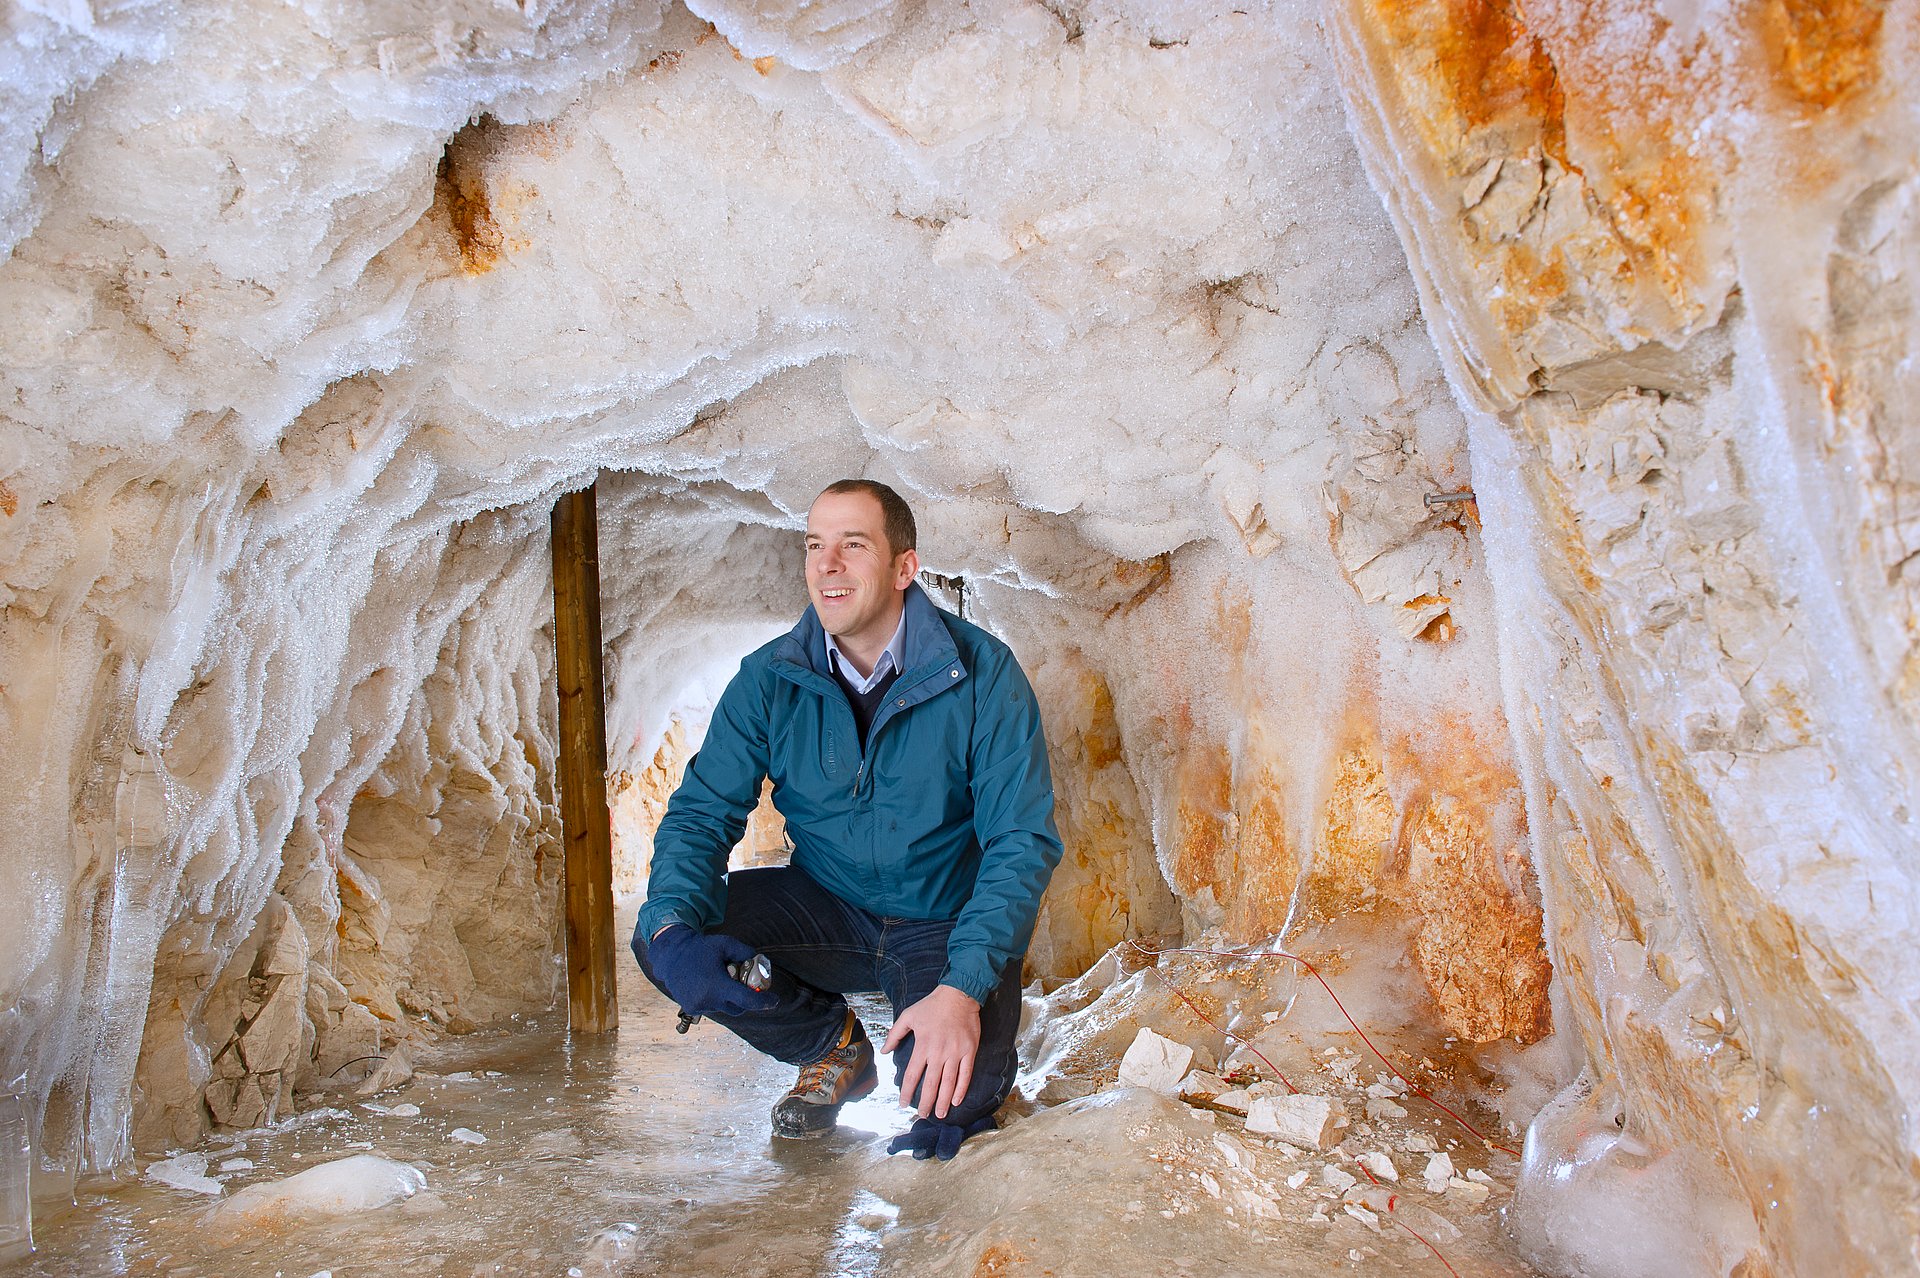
(1171, 318)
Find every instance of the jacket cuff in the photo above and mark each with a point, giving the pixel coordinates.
(655, 917)
(972, 977)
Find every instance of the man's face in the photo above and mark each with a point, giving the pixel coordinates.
(852, 575)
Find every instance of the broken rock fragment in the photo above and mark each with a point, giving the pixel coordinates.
(1302, 1119)
(1155, 1063)
(1201, 1087)
(1380, 1165)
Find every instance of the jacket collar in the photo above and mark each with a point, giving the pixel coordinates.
(926, 642)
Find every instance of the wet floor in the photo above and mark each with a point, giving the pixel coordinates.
(648, 1153)
(644, 1152)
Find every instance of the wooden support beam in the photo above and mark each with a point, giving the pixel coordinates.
(591, 1004)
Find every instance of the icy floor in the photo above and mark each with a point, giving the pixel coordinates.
(648, 1154)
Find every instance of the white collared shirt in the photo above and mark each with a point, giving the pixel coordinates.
(893, 659)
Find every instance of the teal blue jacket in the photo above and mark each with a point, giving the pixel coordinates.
(948, 814)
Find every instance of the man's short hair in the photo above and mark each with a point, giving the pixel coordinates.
(901, 533)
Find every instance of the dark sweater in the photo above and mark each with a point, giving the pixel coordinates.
(865, 704)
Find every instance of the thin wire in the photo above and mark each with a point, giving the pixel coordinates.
(1411, 1085)
(1229, 1033)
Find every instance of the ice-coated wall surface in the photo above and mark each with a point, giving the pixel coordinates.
(1168, 317)
(1669, 254)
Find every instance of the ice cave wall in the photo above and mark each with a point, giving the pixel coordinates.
(311, 311)
(1670, 256)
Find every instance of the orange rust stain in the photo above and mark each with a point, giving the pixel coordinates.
(764, 65)
(1140, 579)
(1355, 837)
(1102, 735)
(1202, 854)
(1824, 52)
(1479, 942)
(9, 503)
(1265, 869)
(1479, 65)
(461, 196)
(1479, 945)
(1441, 628)
(1000, 1258)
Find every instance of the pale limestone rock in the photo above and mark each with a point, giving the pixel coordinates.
(1155, 1063)
(392, 1072)
(1303, 1119)
(237, 1102)
(271, 1040)
(1439, 1171)
(1338, 1179)
(1470, 1192)
(1062, 1088)
(1379, 1164)
(1238, 1156)
(1199, 1085)
(283, 952)
(1257, 1206)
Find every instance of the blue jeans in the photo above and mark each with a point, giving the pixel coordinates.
(823, 948)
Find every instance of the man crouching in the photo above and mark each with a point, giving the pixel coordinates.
(908, 760)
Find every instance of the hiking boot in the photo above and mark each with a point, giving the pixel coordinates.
(846, 1073)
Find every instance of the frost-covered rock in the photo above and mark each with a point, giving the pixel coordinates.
(185, 1171)
(345, 1186)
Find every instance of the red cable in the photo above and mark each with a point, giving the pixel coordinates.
(1424, 1243)
(1393, 1201)
(1229, 1033)
(1411, 1085)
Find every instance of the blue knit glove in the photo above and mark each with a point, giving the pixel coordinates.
(693, 967)
(931, 1138)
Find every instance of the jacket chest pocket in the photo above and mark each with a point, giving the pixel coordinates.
(814, 760)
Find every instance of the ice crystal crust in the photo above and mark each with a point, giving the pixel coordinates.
(1690, 404)
(311, 311)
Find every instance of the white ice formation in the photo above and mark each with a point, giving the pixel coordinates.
(1170, 317)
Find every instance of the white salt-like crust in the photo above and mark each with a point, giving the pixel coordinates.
(1168, 317)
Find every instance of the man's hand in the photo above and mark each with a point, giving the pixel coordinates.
(693, 967)
(946, 1033)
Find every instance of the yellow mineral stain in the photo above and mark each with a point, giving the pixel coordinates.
(1201, 846)
(1825, 53)
(1356, 837)
(1470, 65)
(460, 196)
(1265, 868)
